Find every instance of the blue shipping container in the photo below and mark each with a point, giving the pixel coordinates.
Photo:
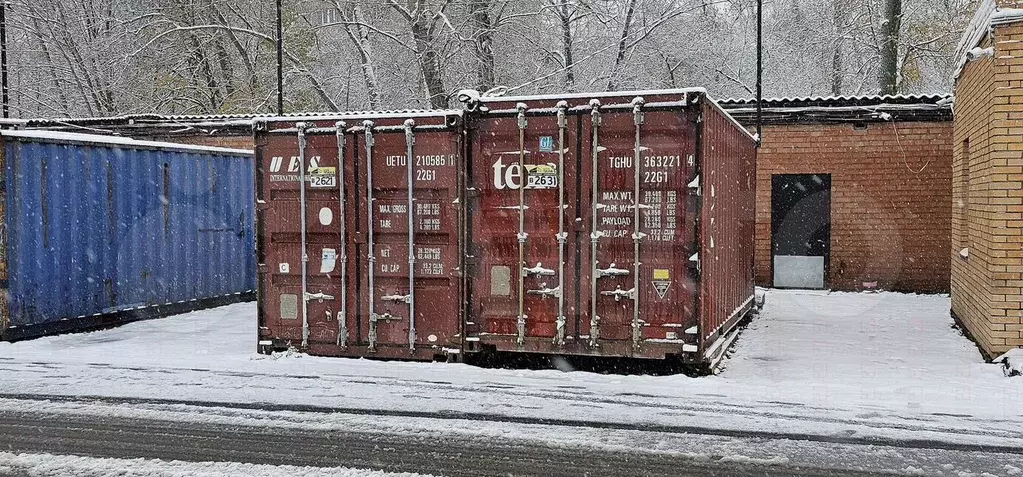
(98, 230)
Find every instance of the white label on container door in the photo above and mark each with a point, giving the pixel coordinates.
(284, 268)
(323, 177)
(328, 260)
(542, 176)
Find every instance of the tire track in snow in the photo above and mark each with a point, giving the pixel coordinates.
(491, 417)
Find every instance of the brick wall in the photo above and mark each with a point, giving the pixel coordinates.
(987, 285)
(890, 195)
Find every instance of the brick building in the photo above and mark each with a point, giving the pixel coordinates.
(987, 179)
(853, 193)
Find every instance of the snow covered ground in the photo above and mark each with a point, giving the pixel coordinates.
(885, 366)
(48, 465)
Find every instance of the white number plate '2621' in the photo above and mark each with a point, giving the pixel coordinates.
(323, 177)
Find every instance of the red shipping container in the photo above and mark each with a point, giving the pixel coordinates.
(608, 224)
(359, 234)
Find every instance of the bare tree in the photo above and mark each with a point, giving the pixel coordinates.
(837, 71)
(623, 44)
(483, 43)
(358, 32)
(891, 27)
(423, 20)
(107, 57)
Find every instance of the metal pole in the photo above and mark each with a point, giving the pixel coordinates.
(760, 71)
(3, 58)
(280, 61)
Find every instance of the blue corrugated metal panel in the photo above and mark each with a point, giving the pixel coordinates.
(98, 228)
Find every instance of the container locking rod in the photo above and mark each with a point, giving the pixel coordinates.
(302, 223)
(342, 314)
(410, 140)
(595, 233)
(637, 236)
(370, 252)
(522, 236)
(559, 337)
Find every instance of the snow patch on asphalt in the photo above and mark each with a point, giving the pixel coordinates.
(49, 465)
(741, 459)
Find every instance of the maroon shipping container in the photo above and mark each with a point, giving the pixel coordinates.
(341, 203)
(608, 224)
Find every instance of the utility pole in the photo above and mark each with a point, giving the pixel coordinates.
(280, 61)
(760, 71)
(3, 59)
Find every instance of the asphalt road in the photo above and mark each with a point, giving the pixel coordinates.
(451, 456)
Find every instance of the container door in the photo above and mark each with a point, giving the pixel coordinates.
(408, 251)
(302, 238)
(641, 211)
(801, 229)
(523, 221)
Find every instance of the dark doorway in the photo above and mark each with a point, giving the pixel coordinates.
(800, 229)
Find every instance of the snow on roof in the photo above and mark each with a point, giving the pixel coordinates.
(796, 101)
(115, 141)
(830, 109)
(604, 94)
(226, 120)
(988, 15)
(472, 95)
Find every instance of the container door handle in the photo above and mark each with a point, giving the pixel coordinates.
(619, 294)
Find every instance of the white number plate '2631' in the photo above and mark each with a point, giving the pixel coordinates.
(542, 176)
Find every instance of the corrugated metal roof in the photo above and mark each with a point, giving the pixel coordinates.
(844, 109)
(863, 100)
(170, 118)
